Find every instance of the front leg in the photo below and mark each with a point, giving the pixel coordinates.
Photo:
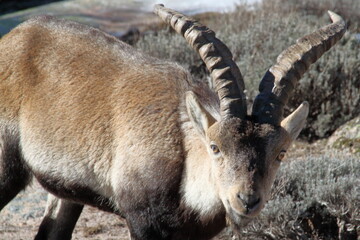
(59, 219)
(142, 227)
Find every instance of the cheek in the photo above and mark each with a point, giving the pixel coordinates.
(222, 176)
(270, 178)
(219, 172)
(227, 173)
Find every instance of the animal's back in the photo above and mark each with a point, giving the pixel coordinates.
(82, 98)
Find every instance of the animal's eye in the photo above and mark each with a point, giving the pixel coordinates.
(215, 148)
(281, 156)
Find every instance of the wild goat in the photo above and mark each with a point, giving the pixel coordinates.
(99, 123)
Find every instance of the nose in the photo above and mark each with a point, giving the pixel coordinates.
(250, 202)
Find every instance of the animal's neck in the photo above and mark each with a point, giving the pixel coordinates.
(199, 190)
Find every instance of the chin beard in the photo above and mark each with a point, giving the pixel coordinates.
(237, 222)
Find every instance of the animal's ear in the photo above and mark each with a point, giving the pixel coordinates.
(296, 120)
(199, 117)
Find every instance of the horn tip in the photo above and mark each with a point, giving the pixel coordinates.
(335, 17)
(305, 103)
(158, 6)
(304, 106)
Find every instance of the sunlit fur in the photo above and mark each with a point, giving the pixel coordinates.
(100, 123)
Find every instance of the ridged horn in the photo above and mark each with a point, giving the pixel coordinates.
(229, 83)
(278, 83)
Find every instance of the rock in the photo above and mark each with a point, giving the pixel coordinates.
(347, 136)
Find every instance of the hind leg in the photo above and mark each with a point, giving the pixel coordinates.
(59, 220)
(14, 175)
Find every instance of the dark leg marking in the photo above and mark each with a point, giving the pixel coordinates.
(59, 219)
(14, 174)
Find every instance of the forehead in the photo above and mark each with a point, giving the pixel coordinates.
(235, 134)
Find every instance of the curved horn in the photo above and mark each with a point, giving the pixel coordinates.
(278, 83)
(226, 75)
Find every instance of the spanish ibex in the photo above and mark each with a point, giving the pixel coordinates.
(97, 122)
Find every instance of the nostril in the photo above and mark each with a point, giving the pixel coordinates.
(249, 201)
(253, 203)
(241, 197)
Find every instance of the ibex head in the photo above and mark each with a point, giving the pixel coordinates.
(246, 150)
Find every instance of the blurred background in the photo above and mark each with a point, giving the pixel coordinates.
(317, 192)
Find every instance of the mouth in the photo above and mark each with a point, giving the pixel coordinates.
(246, 210)
(237, 221)
(238, 217)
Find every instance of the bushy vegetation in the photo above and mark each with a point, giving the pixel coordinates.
(256, 35)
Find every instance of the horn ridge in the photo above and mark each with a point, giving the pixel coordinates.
(217, 58)
(279, 81)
